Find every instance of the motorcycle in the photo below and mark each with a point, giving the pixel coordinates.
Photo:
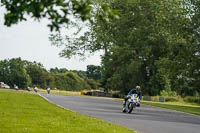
(35, 89)
(48, 90)
(132, 102)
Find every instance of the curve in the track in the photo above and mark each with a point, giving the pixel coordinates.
(145, 119)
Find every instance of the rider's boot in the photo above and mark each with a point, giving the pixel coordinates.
(138, 104)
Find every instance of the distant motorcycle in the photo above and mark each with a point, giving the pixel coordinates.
(132, 102)
(16, 87)
(28, 89)
(35, 89)
(48, 90)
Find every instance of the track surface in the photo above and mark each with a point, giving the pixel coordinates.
(145, 119)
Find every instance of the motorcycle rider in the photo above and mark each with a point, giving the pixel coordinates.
(28, 89)
(35, 89)
(48, 90)
(131, 92)
(16, 87)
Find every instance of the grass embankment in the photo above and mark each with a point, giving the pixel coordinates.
(28, 113)
(178, 106)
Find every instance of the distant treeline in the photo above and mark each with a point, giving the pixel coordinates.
(24, 73)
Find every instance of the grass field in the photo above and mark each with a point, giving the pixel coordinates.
(21, 112)
(178, 106)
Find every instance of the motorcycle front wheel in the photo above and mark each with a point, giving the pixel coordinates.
(130, 107)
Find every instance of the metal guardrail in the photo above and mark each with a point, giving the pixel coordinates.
(103, 94)
(154, 98)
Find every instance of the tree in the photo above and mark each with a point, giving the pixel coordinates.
(93, 84)
(39, 75)
(195, 66)
(155, 44)
(140, 45)
(88, 39)
(158, 36)
(13, 72)
(81, 74)
(59, 12)
(54, 70)
(57, 70)
(93, 72)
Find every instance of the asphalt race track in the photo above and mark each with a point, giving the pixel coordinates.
(145, 119)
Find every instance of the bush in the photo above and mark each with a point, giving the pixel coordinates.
(163, 93)
(155, 98)
(146, 98)
(192, 99)
(171, 99)
(93, 84)
(168, 93)
(172, 94)
(70, 81)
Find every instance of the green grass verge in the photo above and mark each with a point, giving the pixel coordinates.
(22, 112)
(60, 92)
(178, 106)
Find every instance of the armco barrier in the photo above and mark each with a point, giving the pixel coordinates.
(154, 98)
(101, 94)
(98, 93)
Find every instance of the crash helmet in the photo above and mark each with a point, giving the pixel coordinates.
(138, 89)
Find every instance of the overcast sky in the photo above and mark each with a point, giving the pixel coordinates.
(29, 40)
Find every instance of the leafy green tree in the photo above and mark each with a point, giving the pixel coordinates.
(139, 46)
(39, 75)
(154, 32)
(154, 43)
(57, 70)
(81, 74)
(78, 42)
(54, 70)
(93, 84)
(4, 71)
(195, 61)
(59, 12)
(93, 72)
(13, 72)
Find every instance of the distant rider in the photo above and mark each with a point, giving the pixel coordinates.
(35, 89)
(16, 87)
(48, 90)
(28, 88)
